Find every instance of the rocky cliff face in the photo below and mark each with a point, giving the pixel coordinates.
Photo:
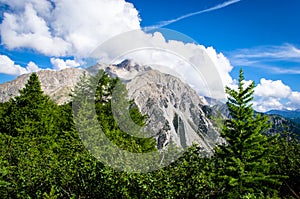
(175, 110)
(56, 84)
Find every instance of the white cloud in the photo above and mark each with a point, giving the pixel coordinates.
(271, 95)
(32, 67)
(267, 58)
(203, 68)
(266, 104)
(269, 88)
(27, 29)
(295, 100)
(63, 28)
(285, 52)
(223, 65)
(76, 27)
(8, 66)
(60, 64)
(70, 28)
(278, 70)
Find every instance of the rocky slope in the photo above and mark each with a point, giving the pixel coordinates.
(176, 113)
(292, 115)
(279, 124)
(56, 84)
(174, 109)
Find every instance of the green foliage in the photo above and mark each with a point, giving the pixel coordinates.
(244, 162)
(42, 155)
(31, 113)
(289, 165)
(101, 87)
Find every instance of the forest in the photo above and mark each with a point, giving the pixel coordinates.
(43, 156)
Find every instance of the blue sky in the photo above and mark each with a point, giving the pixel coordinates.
(261, 36)
(254, 25)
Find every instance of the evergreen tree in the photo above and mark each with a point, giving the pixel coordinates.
(289, 164)
(30, 113)
(32, 94)
(101, 90)
(243, 164)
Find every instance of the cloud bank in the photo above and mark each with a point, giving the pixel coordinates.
(206, 70)
(273, 95)
(60, 64)
(8, 66)
(74, 28)
(65, 27)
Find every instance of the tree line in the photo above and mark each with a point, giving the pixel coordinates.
(42, 154)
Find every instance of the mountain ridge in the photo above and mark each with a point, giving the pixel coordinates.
(174, 108)
(176, 112)
(293, 115)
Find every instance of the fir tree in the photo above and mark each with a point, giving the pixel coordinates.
(243, 164)
(99, 89)
(30, 113)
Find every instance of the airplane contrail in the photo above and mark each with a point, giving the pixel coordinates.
(165, 23)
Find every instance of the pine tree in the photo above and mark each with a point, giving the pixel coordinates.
(243, 164)
(32, 94)
(99, 89)
(30, 113)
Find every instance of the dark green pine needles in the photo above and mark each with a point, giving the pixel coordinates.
(243, 164)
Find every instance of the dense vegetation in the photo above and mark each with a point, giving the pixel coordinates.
(42, 156)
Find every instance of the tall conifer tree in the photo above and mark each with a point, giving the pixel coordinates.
(243, 164)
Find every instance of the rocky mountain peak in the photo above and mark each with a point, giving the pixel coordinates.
(175, 110)
(56, 84)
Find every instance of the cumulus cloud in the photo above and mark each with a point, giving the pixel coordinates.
(62, 28)
(32, 67)
(74, 28)
(269, 88)
(271, 94)
(27, 29)
(8, 66)
(60, 64)
(266, 104)
(295, 100)
(65, 27)
(203, 68)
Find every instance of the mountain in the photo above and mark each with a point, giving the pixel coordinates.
(175, 110)
(281, 124)
(292, 115)
(56, 84)
(176, 113)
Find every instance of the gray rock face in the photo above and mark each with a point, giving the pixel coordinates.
(175, 110)
(173, 107)
(56, 84)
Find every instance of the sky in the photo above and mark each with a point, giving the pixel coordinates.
(260, 36)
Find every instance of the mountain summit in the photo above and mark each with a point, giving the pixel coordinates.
(175, 111)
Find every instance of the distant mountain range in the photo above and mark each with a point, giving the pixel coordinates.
(292, 115)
